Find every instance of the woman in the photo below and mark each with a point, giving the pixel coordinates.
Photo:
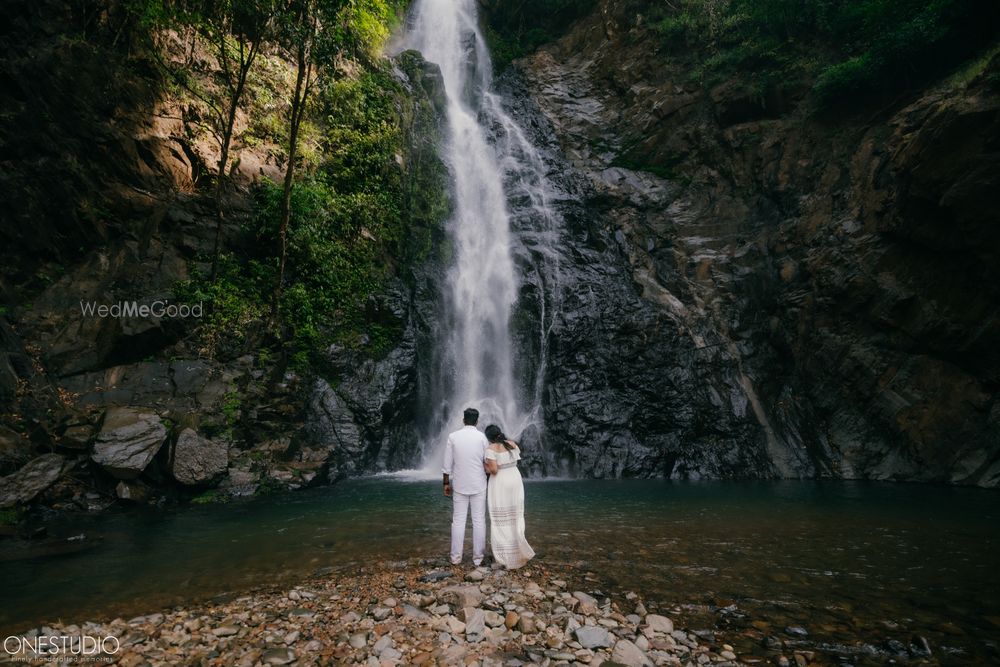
(505, 498)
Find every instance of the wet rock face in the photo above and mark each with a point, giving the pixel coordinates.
(369, 421)
(758, 292)
(634, 386)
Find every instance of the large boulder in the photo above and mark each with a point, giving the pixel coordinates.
(128, 441)
(197, 460)
(36, 476)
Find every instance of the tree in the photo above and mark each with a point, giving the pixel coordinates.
(300, 35)
(248, 24)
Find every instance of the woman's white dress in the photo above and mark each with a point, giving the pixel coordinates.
(505, 498)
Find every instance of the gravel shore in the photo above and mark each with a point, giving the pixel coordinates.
(408, 613)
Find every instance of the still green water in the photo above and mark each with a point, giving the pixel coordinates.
(858, 566)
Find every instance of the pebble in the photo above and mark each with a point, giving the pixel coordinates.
(475, 621)
(384, 642)
(587, 604)
(278, 656)
(627, 653)
(493, 619)
(660, 624)
(526, 624)
(593, 636)
(510, 621)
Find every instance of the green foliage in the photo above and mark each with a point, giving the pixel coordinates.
(516, 29)
(332, 263)
(10, 517)
(210, 497)
(366, 24)
(356, 218)
(269, 486)
(231, 405)
(370, 192)
(235, 304)
(974, 69)
(849, 77)
(849, 49)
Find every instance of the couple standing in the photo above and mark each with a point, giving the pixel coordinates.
(470, 456)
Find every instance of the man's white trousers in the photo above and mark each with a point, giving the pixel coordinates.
(461, 503)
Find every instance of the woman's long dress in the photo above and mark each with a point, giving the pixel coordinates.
(505, 498)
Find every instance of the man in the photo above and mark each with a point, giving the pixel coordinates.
(465, 482)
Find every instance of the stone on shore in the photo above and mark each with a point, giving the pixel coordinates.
(659, 623)
(493, 619)
(136, 492)
(278, 656)
(34, 477)
(627, 653)
(587, 604)
(475, 621)
(128, 441)
(593, 636)
(462, 596)
(197, 460)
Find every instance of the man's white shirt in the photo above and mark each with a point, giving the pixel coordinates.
(463, 460)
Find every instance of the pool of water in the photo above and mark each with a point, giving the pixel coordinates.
(865, 569)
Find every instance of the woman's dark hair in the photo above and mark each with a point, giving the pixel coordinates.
(494, 434)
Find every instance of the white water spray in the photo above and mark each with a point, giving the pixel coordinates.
(476, 362)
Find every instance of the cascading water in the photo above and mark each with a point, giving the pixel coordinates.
(490, 161)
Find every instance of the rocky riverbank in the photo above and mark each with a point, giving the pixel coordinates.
(408, 613)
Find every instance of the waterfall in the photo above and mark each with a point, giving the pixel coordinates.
(491, 162)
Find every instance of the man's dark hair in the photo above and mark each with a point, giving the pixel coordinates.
(470, 417)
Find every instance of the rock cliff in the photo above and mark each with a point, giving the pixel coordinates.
(753, 288)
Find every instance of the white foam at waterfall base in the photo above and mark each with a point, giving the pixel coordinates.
(475, 361)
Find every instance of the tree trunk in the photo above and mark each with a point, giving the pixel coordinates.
(298, 104)
(227, 137)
